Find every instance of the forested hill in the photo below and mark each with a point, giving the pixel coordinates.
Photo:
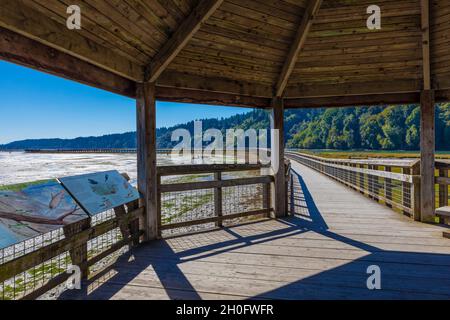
(376, 128)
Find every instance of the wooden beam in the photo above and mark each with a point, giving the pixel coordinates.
(30, 53)
(213, 84)
(427, 150)
(425, 23)
(348, 89)
(17, 16)
(277, 154)
(146, 150)
(211, 98)
(181, 37)
(297, 46)
(442, 95)
(353, 101)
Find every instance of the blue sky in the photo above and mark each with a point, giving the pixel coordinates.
(37, 105)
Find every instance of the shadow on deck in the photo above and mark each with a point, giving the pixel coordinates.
(299, 257)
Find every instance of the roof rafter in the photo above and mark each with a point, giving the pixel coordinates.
(181, 37)
(299, 41)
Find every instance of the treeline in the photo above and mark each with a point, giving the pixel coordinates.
(373, 128)
(111, 141)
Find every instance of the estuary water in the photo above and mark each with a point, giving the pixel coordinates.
(20, 167)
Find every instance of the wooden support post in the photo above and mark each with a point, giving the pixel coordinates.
(218, 199)
(146, 154)
(277, 152)
(79, 255)
(427, 149)
(388, 186)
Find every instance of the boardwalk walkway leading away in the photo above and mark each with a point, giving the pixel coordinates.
(322, 252)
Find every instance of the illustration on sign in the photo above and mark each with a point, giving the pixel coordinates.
(29, 211)
(100, 191)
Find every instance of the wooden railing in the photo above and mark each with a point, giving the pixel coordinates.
(33, 267)
(396, 183)
(442, 194)
(443, 181)
(193, 195)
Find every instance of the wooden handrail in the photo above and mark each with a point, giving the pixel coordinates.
(354, 174)
(377, 173)
(174, 187)
(217, 184)
(443, 181)
(206, 168)
(401, 163)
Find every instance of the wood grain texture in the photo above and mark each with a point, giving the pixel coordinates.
(146, 142)
(181, 37)
(24, 51)
(297, 45)
(277, 143)
(425, 22)
(320, 253)
(427, 150)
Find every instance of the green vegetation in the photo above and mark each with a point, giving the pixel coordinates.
(362, 128)
(186, 204)
(368, 128)
(20, 186)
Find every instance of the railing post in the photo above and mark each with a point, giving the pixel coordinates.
(218, 199)
(159, 204)
(362, 185)
(415, 192)
(370, 182)
(443, 192)
(79, 255)
(292, 193)
(388, 186)
(287, 168)
(135, 224)
(443, 189)
(266, 197)
(120, 213)
(376, 184)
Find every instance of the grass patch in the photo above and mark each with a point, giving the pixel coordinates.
(188, 203)
(20, 186)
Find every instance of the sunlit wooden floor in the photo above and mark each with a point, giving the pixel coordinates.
(321, 253)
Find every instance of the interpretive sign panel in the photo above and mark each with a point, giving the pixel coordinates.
(28, 210)
(100, 191)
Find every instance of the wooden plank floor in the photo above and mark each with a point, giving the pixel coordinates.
(321, 253)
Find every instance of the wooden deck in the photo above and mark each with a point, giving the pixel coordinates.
(321, 253)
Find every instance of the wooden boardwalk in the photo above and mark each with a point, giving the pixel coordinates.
(323, 252)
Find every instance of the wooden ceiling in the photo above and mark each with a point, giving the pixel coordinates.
(252, 48)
